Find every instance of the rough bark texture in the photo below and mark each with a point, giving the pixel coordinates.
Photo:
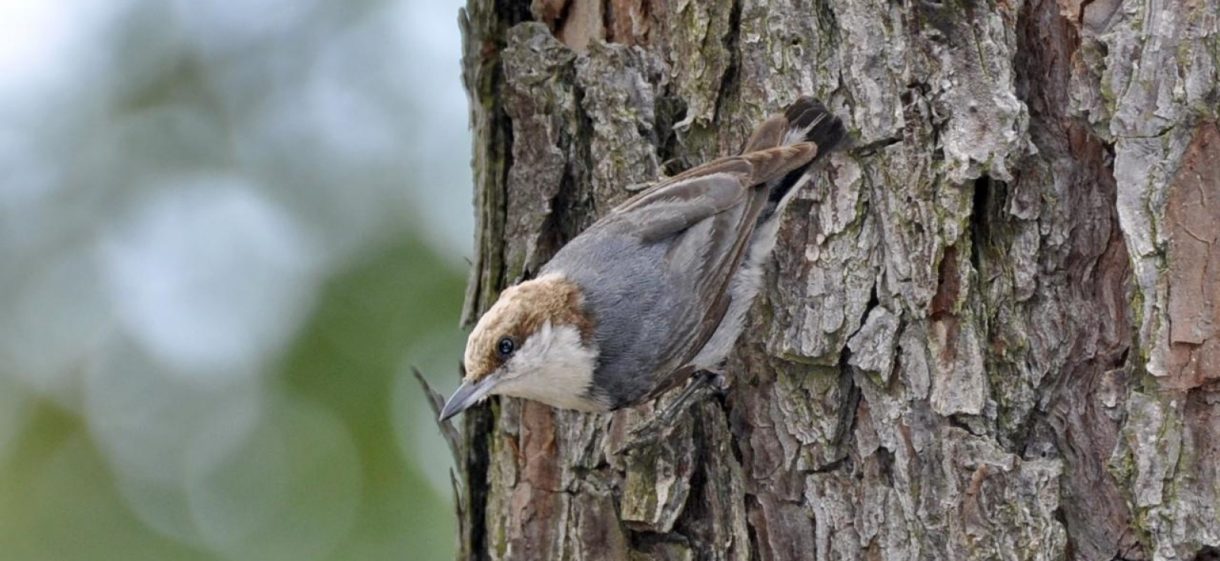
(1012, 280)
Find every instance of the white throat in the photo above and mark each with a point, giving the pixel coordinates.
(552, 367)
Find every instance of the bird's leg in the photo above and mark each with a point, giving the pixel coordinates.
(701, 384)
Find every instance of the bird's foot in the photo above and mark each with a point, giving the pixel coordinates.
(703, 383)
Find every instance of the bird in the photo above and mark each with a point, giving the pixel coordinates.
(654, 293)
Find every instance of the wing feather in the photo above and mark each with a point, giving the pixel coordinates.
(679, 202)
(707, 216)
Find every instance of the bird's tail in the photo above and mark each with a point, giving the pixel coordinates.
(805, 120)
(810, 121)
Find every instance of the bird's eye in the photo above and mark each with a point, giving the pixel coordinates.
(505, 347)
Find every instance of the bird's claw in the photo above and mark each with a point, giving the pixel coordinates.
(661, 425)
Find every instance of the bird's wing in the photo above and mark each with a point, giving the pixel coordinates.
(680, 202)
(706, 216)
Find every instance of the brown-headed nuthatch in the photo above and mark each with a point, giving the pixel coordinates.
(654, 291)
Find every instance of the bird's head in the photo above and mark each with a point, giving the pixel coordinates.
(536, 342)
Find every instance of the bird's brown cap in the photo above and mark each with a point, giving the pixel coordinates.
(520, 311)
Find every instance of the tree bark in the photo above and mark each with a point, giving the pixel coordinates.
(1011, 283)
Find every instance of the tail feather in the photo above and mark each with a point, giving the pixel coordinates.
(805, 120)
(810, 121)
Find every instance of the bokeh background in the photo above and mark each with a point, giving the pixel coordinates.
(228, 228)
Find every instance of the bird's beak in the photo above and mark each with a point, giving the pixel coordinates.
(467, 395)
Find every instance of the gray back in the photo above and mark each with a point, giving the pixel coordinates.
(628, 283)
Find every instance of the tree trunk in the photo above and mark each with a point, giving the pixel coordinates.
(1010, 284)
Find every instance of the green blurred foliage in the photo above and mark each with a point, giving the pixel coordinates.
(354, 358)
(58, 500)
(271, 175)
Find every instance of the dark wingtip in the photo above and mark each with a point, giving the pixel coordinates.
(816, 124)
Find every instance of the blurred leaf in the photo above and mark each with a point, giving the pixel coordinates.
(348, 359)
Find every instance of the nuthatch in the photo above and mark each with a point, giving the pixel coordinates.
(654, 291)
